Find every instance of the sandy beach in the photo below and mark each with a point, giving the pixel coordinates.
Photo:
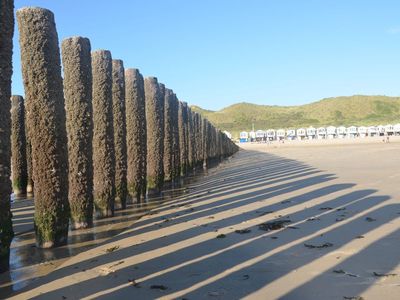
(329, 217)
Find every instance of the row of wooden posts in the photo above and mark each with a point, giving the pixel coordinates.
(89, 142)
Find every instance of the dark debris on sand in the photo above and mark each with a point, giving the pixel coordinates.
(273, 225)
(243, 231)
(324, 245)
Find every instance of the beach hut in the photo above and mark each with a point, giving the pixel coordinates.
(396, 128)
(362, 131)
(389, 129)
(381, 130)
(372, 131)
(331, 132)
(252, 136)
(341, 132)
(280, 134)
(351, 132)
(243, 137)
(321, 133)
(301, 134)
(271, 134)
(311, 133)
(260, 135)
(228, 134)
(291, 134)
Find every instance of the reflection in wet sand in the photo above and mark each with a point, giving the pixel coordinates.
(28, 263)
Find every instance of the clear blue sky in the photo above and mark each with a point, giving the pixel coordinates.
(214, 53)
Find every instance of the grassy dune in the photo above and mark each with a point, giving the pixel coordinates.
(353, 110)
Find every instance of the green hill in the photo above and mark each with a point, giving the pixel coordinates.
(354, 110)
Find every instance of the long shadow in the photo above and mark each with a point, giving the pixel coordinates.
(225, 260)
(244, 184)
(208, 206)
(198, 195)
(26, 255)
(240, 178)
(360, 266)
(219, 262)
(263, 194)
(277, 265)
(126, 252)
(240, 184)
(232, 220)
(232, 257)
(228, 255)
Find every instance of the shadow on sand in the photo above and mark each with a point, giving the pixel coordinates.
(189, 261)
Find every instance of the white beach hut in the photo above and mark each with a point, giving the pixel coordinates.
(252, 136)
(243, 137)
(271, 134)
(352, 132)
(389, 129)
(372, 131)
(301, 134)
(280, 134)
(311, 133)
(331, 132)
(381, 130)
(321, 133)
(291, 134)
(341, 132)
(362, 131)
(396, 128)
(260, 135)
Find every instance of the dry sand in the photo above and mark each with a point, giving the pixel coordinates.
(342, 197)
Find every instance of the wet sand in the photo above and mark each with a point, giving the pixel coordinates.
(28, 263)
(339, 206)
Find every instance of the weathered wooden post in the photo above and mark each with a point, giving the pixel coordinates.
(168, 135)
(155, 129)
(118, 97)
(136, 136)
(175, 132)
(41, 70)
(190, 135)
(77, 64)
(6, 45)
(183, 138)
(18, 146)
(103, 135)
(161, 132)
(199, 145)
(205, 142)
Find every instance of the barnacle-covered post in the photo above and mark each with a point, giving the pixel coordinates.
(168, 135)
(118, 91)
(103, 135)
(183, 139)
(155, 129)
(77, 65)
(205, 142)
(191, 140)
(176, 161)
(6, 45)
(136, 137)
(41, 70)
(18, 146)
